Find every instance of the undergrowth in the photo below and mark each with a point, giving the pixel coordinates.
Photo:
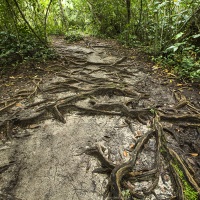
(73, 36)
(185, 67)
(22, 48)
(182, 59)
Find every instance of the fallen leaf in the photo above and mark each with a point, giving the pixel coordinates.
(12, 77)
(170, 74)
(179, 84)
(32, 126)
(138, 134)
(125, 153)
(19, 105)
(155, 67)
(132, 146)
(133, 57)
(194, 154)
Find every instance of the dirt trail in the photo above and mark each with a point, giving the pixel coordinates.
(99, 126)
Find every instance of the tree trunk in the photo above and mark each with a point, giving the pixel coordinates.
(45, 20)
(140, 17)
(30, 27)
(63, 17)
(128, 7)
(14, 17)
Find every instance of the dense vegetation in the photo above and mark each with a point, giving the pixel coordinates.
(169, 30)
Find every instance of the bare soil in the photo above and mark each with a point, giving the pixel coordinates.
(99, 122)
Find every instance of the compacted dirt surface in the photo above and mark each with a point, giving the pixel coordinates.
(99, 122)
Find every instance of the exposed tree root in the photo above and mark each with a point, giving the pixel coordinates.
(56, 113)
(119, 61)
(182, 117)
(97, 151)
(122, 176)
(183, 166)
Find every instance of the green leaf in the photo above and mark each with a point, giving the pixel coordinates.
(162, 4)
(172, 48)
(196, 36)
(178, 35)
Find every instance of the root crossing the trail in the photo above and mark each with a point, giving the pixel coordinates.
(101, 126)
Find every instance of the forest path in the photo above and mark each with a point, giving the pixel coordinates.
(99, 115)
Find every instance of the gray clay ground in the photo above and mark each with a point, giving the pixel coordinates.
(44, 159)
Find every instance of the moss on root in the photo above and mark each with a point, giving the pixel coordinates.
(189, 192)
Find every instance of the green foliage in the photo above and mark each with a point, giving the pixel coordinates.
(182, 58)
(106, 16)
(153, 111)
(73, 36)
(127, 38)
(189, 67)
(16, 49)
(184, 67)
(189, 192)
(126, 194)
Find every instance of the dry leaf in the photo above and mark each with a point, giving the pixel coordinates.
(179, 84)
(138, 134)
(155, 67)
(132, 146)
(125, 153)
(19, 105)
(170, 74)
(133, 57)
(32, 126)
(194, 154)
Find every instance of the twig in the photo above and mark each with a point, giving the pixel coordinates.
(7, 107)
